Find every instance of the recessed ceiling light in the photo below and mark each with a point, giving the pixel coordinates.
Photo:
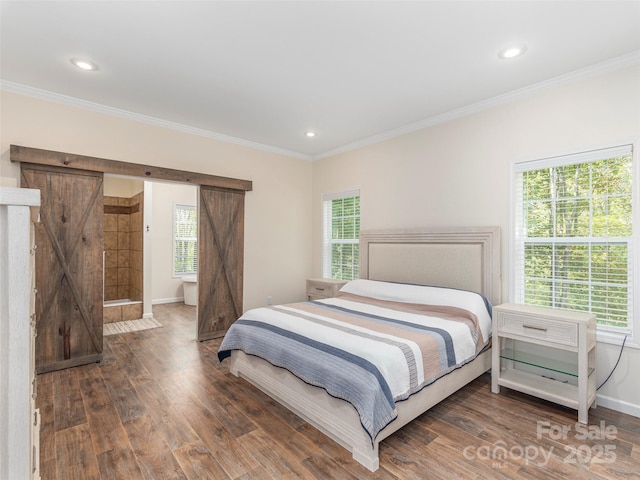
(84, 64)
(310, 134)
(513, 51)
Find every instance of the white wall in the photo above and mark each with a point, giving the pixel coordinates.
(277, 211)
(458, 173)
(165, 288)
(117, 186)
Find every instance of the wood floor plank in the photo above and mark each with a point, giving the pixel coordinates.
(321, 465)
(119, 464)
(123, 395)
(449, 457)
(75, 458)
(457, 449)
(161, 405)
(198, 463)
(152, 453)
(176, 431)
(340, 455)
(127, 359)
(470, 425)
(399, 464)
(612, 465)
(45, 401)
(257, 473)
(107, 355)
(233, 420)
(230, 453)
(68, 407)
(556, 471)
(50, 467)
(277, 461)
(407, 449)
(522, 429)
(258, 408)
(107, 432)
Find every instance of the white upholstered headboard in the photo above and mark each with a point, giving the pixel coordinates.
(464, 257)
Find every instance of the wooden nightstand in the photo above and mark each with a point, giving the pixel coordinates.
(318, 288)
(546, 352)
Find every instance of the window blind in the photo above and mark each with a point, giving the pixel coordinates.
(185, 240)
(573, 234)
(341, 233)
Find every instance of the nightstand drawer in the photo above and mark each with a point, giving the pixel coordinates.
(564, 333)
(318, 288)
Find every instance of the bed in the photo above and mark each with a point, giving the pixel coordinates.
(408, 277)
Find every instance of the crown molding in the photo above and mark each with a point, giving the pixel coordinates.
(116, 112)
(611, 65)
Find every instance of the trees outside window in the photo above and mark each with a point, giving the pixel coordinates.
(574, 234)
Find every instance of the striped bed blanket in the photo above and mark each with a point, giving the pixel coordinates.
(373, 345)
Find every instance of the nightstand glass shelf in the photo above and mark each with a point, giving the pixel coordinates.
(542, 362)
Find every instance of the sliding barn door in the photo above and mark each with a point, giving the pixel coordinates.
(220, 260)
(68, 266)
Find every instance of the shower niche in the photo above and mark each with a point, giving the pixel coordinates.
(123, 252)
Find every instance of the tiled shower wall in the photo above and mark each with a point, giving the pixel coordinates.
(136, 227)
(123, 247)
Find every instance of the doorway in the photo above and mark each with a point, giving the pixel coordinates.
(220, 249)
(140, 238)
(123, 266)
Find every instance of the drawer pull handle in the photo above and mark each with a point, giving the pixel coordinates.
(320, 289)
(534, 327)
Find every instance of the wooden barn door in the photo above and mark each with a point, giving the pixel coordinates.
(220, 260)
(68, 266)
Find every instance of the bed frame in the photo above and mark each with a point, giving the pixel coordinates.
(467, 258)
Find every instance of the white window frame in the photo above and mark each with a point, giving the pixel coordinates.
(327, 241)
(177, 206)
(633, 325)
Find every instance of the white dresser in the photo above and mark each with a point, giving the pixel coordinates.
(19, 418)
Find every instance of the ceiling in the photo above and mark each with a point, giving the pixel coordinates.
(263, 73)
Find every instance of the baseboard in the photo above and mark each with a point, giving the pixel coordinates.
(160, 301)
(619, 405)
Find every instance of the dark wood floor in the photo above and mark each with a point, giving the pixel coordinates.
(161, 406)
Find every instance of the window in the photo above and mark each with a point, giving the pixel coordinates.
(185, 240)
(574, 239)
(341, 235)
